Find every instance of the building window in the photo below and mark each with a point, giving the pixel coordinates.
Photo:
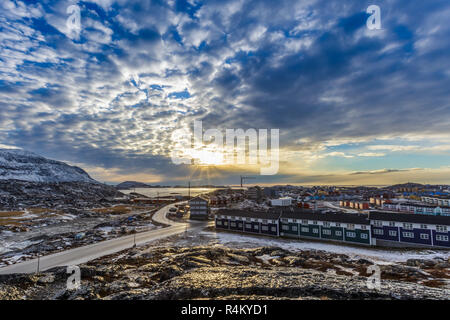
(423, 226)
(326, 224)
(363, 227)
(264, 228)
(393, 233)
(441, 228)
(233, 224)
(338, 233)
(377, 223)
(424, 236)
(248, 225)
(219, 223)
(408, 226)
(305, 229)
(338, 224)
(441, 238)
(240, 225)
(351, 234)
(363, 235)
(273, 229)
(378, 231)
(225, 223)
(285, 227)
(315, 230)
(294, 228)
(391, 224)
(351, 226)
(326, 231)
(305, 221)
(408, 235)
(256, 227)
(314, 222)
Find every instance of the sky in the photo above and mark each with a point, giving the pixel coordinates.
(353, 105)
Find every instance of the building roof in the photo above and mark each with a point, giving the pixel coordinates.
(249, 214)
(409, 217)
(337, 216)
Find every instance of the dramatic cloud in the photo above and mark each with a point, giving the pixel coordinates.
(345, 98)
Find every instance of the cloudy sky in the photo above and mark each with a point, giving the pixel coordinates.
(353, 105)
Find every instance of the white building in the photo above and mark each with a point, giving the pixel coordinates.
(444, 202)
(417, 208)
(199, 208)
(282, 202)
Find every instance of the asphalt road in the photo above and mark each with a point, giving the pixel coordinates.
(93, 251)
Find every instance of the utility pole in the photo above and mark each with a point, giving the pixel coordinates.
(189, 190)
(39, 255)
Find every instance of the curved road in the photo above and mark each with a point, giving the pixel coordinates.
(93, 251)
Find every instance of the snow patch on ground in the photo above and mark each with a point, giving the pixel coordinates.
(381, 256)
(10, 246)
(266, 258)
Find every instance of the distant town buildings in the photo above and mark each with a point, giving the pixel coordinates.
(358, 205)
(440, 201)
(417, 208)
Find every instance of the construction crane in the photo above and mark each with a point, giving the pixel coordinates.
(245, 178)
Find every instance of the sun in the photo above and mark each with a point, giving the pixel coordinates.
(208, 158)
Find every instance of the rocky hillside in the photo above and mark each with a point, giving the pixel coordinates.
(224, 273)
(131, 184)
(29, 180)
(17, 195)
(26, 166)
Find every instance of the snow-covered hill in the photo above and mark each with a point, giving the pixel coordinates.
(26, 166)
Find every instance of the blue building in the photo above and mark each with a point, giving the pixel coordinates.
(402, 229)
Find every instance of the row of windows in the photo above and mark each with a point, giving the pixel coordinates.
(409, 226)
(247, 226)
(325, 224)
(380, 224)
(314, 230)
(328, 224)
(423, 236)
(338, 233)
(392, 233)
